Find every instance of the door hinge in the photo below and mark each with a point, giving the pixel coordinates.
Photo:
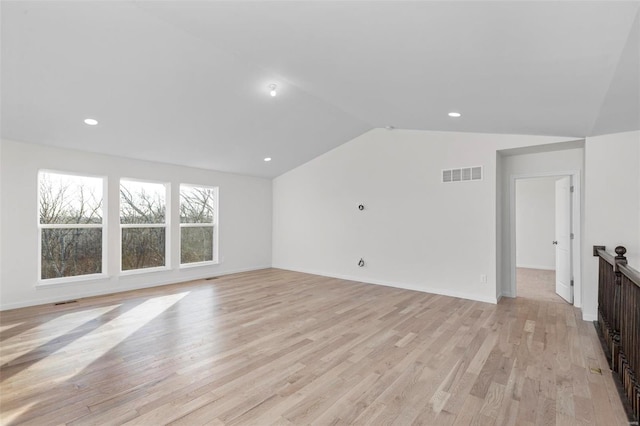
(572, 235)
(571, 283)
(571, 188)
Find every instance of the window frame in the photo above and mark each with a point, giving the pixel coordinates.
(44, 282)
(165, 225)
(214, 224)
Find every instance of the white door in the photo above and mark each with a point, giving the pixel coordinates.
(563, 239)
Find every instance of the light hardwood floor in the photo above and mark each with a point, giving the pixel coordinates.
(280, 347)
(537, 284)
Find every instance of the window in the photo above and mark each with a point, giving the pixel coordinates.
(143, 224)
(71, 225)
(198, 207)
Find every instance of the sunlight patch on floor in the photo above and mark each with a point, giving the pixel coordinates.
(7, 327)
(90, 347)
(7, 417)
(51, 330)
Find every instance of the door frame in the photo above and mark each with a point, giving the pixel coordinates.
(576, 228)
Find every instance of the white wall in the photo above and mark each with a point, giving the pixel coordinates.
(415, 232)
(612, 204)
(1, 215)
(550, 163)
(535, 223)
(245, 220)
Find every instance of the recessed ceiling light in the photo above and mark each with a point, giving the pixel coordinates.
(454, 114)
(272, 89)
(90, 121)
(267, 159)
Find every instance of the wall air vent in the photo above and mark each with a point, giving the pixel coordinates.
(462, 174)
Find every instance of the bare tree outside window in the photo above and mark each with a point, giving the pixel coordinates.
(71, 225)
(143, 223)
(197, 223)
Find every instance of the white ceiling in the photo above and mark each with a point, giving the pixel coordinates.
(185, 82)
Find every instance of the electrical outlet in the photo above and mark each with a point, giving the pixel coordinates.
(483, 279)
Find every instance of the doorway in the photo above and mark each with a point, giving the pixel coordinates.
(545, 224)
(535, 237)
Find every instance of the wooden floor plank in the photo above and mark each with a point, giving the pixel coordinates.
(286, 348)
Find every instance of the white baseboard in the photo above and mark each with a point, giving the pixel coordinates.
(395, 284)
(156, 283)
(589, 317)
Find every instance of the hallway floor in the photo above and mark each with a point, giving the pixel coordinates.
(537, 284)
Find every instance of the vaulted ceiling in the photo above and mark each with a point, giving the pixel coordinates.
(186, 82)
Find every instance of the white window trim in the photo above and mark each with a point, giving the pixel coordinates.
(69, 226)
(197, 225)
(165, 225)
(44, 282)
(142, 225)
(145, 270)
(214, 261)
(213, 224)
(55, 282)
(165, 267)
(198, 264)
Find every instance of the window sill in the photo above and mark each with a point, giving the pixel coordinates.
(144, 271)
(199, 264)
(56, 282)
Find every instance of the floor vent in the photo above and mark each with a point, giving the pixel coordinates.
(211, 278)
(65, 302)
(462, 174)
